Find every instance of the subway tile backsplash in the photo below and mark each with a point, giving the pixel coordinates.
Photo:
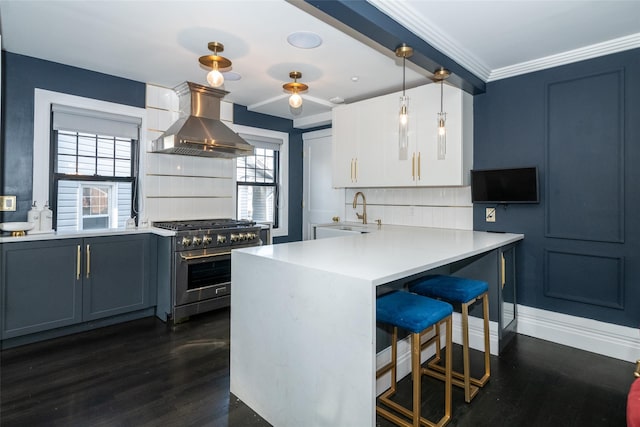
(182, 187)
(441, 207)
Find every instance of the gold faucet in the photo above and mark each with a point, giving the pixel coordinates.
(363, 217)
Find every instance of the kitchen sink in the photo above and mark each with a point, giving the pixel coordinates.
(339, 229)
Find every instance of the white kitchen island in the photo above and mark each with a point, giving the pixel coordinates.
(303, 327)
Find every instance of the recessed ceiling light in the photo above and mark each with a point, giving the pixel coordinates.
(231, 76)
(304, 40)
(355, 78)
(337, 100)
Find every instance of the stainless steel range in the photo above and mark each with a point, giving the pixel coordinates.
(201, 273)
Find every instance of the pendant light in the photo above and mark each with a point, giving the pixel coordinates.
(295, 100)
(215, 77)
(404, 52)
(442, 75)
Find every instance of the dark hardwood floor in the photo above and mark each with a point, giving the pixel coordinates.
(143, 373)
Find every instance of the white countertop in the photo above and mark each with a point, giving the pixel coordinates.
(387, 253)
(38, 236)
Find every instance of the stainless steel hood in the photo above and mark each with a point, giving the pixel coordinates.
(199, 131)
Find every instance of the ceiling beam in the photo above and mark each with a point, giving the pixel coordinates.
(364, 21)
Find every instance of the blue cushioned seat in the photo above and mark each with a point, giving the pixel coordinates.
(449, 288)
(412, 312)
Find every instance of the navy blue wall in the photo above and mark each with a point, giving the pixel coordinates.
(21, 75)
(579, 125)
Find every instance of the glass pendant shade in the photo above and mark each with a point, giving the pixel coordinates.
(403, 129)
(442, 136)
(441, 140)
(215, 77)
(403, 51)
(295, 100)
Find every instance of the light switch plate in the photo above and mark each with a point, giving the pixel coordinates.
(490, 214)
(7, 203)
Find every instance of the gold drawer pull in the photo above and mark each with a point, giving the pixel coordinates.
(413, 166)
(78, 256)
(503, 268)
(88, 260)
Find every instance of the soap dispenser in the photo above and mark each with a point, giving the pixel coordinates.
(46, 218)
(34, 216)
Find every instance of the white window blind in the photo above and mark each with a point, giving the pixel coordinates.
(74, 119)
(263, 142)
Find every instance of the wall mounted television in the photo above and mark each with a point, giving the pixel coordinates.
(516, 185)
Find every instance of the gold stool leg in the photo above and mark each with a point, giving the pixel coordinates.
(417, 377)
(414, 415)
(447, 374)
(391, 365)
(465, 352)
(464, 380)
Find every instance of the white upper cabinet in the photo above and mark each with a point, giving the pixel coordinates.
(366, 148)
(344, 146)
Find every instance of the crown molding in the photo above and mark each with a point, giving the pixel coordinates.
(408, 17)
(412, 20)
(593, 51)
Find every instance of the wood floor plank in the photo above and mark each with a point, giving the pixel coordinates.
(143, 373)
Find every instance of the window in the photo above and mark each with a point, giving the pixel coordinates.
(94, 172)
(96, 203)
(257, 180)
(262, 179)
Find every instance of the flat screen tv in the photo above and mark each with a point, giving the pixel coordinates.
(517, 185)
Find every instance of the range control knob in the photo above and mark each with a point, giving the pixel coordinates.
(235, 237)
(186, 242)
(223, 239)
(197, 241)
(206, 240)
(251, 236)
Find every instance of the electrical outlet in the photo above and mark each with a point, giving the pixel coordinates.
(7, 203)
(490, 214)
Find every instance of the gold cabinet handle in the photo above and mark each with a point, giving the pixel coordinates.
(419, 165)
(351, 170)
(78, 256)
(356, 170)
(88, 260)
(503, 269)
(413, 167)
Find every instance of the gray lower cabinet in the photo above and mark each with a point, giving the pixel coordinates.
(116, 279)
(41, 288)
(56, 283)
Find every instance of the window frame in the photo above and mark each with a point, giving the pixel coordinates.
(42, 159)
(275, 184)
(282, 138)
(55, 177)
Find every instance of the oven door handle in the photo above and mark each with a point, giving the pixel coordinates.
(192, 257)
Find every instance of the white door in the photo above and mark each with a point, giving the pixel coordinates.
(321, 201)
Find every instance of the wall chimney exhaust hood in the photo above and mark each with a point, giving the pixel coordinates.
(199, 131)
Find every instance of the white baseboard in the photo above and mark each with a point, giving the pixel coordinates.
(619, 342)
(610, 340)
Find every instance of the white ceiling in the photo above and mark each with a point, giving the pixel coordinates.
(159, 42)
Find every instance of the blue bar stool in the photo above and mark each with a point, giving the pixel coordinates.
(416, 314)
(465, 292)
